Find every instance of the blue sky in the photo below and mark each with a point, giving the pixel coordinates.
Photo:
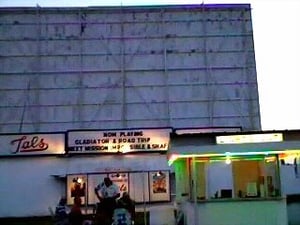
(276, 26)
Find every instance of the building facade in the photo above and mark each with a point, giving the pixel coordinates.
(87, 74)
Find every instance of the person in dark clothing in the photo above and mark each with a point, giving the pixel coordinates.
(75, 216)
(127, 203)
(61, 213)
(109, 192)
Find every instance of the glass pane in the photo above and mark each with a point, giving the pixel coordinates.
(246, 175)
(219, 179)
(198, 177)
(256, 178)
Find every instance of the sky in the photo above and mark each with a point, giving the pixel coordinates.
(276, 30)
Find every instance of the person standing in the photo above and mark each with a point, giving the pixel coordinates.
(109, 193)
(61, 212)
(127, 203)
(75, 216)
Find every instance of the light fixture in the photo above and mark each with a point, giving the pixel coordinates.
(282, 154)
(228, 160)
(77, 180)
(158, 173)
(249, 138)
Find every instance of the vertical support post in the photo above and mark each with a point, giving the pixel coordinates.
(278, 176)
(144, 201)
(194, 189)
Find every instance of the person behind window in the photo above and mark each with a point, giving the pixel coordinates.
(109, 192)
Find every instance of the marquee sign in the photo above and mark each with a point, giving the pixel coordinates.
(118, 141)
(32, 144)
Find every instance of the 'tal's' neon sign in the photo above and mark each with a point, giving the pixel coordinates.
(29, 144)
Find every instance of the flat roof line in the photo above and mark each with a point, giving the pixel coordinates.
(132, 7)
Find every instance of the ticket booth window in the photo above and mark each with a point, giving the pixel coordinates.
(219, 179)
(242, 177)
(256, 178)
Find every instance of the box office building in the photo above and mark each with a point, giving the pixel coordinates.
(91, 73)
(42, 167)
(244, 178)
(217, 171)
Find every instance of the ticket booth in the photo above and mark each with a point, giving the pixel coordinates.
(235, 178)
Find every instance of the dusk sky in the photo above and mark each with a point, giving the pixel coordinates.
(277, 47)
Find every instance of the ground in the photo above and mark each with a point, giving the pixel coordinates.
(48, 220)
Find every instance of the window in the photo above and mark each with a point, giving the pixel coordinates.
(242, 177)
(256, 178)
(198, 184)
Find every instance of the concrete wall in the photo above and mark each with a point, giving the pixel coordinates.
(103, 68)
(236, 213)
(290, 180)
(293, 210)
(29, 181)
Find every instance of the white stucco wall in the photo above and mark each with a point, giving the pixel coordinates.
(27, 187)
(236, 213)
(290, 181)
(293, 210)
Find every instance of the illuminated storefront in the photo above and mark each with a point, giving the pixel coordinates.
(46, 166)
(130, 154)
(229, 172)
(234, 175)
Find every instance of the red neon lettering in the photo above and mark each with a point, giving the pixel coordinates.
(34, 144)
